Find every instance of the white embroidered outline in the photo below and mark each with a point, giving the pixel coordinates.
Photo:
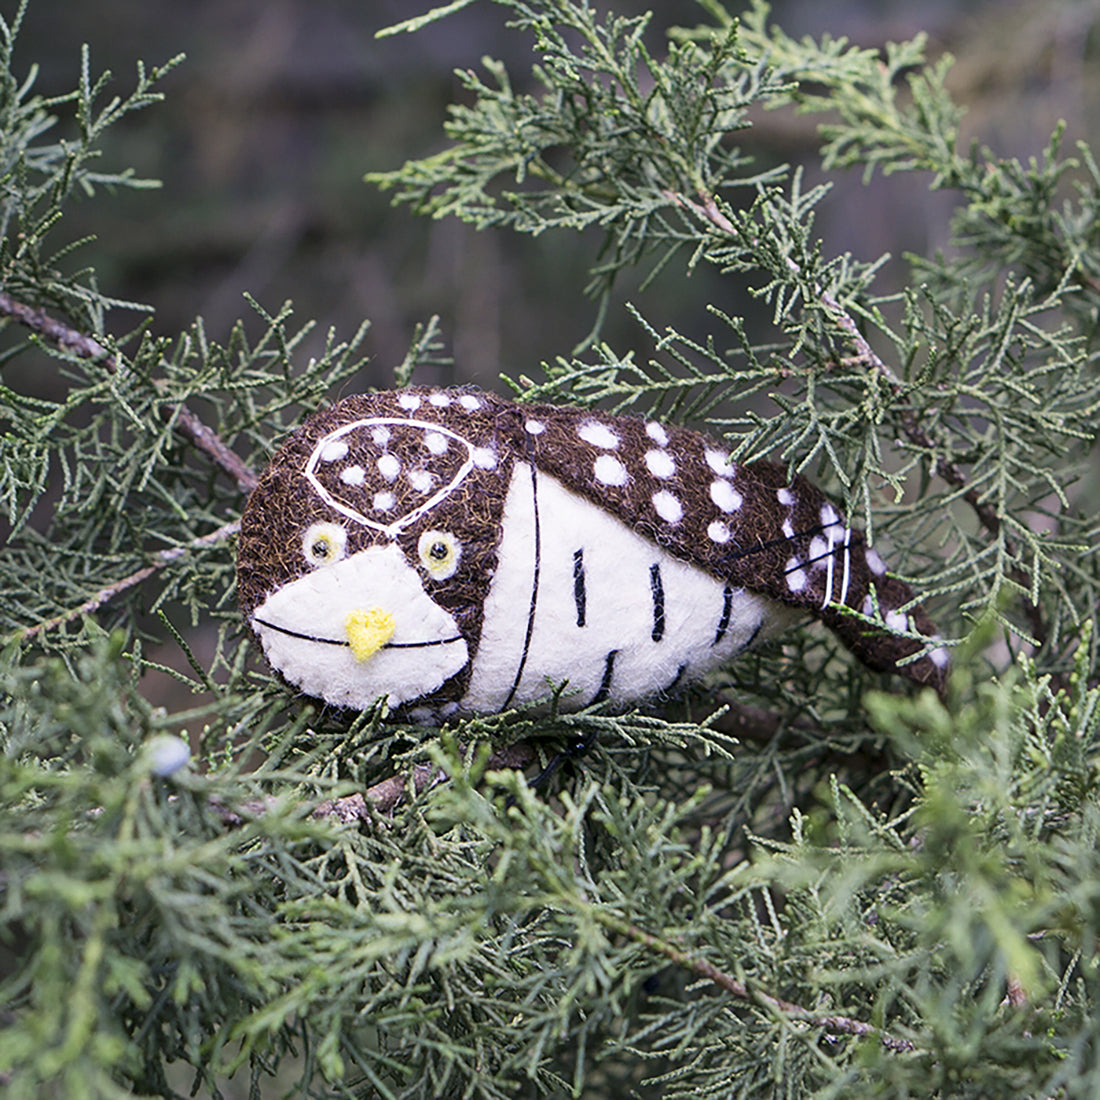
(390, 529)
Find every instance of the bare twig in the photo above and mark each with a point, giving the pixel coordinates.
(185, 422)
(385, 795)
(829, 1022)
(108, 592)
(87, 347)
(708, 209)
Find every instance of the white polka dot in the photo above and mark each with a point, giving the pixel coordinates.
(657, 433)
(468, 401)
(383, 502)
(439, 400)
(668, 507)
(787, 529)
(897, 621)
(435, 443)
(381, 436)
(421, 480)
(718, 532)
(334, 451)
(610, 471)
(599, 435)
(796, 575)
(829, 515)
(875, 563)
(409, 401)
(785, 496)
(725, 496)
(389, 466)
(818, 551)
(534, 427)
(660, 463)
(939, 657)
(719, 462)
(484, 458)
(353, 475)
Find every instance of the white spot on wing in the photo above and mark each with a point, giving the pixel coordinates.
(389, 466)
(668, 506)
(435, 443)
(725, 496)
(334, 451)
(484, 458)
(897, 621)
(353, 475)
(660, 463)
(599, 435)
(439, 400)
(785, 496)
(718, 531)
(829, 515)
(788, 529)
(796, 575)
(609, 471)
(719, 462)
(409, 401)
(875, 563)
(383, 502)
(657, 433)
(381, 436)
(939, 657)
(468, 401)
(534, 427)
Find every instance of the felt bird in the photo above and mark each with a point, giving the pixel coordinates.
(457, 552)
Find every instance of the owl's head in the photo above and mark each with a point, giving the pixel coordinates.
(366, 549)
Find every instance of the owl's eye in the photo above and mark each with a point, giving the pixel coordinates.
(324, 543)
(439, 553)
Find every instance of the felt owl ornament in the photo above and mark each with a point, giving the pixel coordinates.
(457, 552)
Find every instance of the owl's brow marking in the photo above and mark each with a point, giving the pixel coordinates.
(336, 641)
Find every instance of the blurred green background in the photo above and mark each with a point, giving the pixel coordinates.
(283, 105)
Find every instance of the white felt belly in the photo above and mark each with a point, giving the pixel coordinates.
(579, 596)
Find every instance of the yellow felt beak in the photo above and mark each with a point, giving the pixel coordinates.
(368, 631)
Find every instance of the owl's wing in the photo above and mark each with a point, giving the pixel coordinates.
(747, 525)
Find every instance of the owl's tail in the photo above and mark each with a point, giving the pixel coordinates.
(816, 562)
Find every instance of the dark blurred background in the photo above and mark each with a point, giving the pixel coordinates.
(283, 105)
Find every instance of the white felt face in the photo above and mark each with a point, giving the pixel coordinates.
(578, 596)
(306, 630)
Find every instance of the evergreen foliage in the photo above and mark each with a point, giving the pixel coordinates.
(797, 882)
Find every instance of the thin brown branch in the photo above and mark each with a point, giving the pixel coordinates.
(385, 795)
(709, 210)
(115, 588)
(87, 347)
(832, 1023)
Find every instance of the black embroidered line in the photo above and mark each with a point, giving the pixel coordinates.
(535, 575)
(579, 597)
(752, 637)
(336, 641)
(657, 589)
(675, 681)
(727, 611)
(605, 684)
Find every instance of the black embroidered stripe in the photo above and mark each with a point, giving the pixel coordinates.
(534, 578)
(579, 596)
(752, 637)
(605, 684)
(727, 611)
(675, 682)
(657, 589)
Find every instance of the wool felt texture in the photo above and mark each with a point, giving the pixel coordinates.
(454, 551)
